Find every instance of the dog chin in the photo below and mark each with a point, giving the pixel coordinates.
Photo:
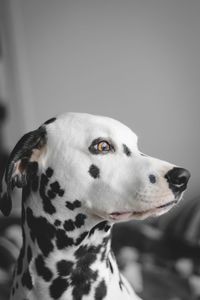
(140, 215)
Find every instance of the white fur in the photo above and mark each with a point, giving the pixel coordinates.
(124, 183)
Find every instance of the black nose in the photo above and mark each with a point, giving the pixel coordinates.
(177, 179)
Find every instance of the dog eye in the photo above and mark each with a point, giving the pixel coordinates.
(100, 147)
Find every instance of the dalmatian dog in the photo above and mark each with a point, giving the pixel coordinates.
(80, 174)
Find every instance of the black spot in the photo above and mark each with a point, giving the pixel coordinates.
(152, 178)
(62, 240)
(87, 255)
(110, 265)
(64, 267)
(26, 192)
(69, 205)
(73, 205)
(107, 227)
(81, 237)
(80, 220)
(127, 151)
(94, 171)
(78, 277)
(121, 284)
(103, 255)
(17, 285)
(49, 195)
(80, 290)
(26, 280)
(101, 291)
(100, 226)
(86, 250)
(42, 270)
(32, 175)
(104, 246)
(57, 223)
(77, 203)
(50, 121)
(32, 168)
(55, 190)
(58, 287)
(83, 275)
(42, 231)
(69, 225)
(49, 172)
(81, 279)
(47, 205)
(29, 254)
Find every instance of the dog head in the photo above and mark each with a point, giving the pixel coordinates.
(95, 160)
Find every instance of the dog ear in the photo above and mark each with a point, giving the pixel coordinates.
(28, 149)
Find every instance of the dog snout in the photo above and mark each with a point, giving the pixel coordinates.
(178, 179)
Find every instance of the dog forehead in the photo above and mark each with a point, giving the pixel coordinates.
(82, 127)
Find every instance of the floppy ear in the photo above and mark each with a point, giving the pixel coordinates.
(28, 149)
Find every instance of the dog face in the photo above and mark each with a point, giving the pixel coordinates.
(96, 160)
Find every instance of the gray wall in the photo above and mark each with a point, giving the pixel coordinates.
(134, 60)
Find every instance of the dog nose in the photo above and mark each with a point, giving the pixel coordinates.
(178, 179)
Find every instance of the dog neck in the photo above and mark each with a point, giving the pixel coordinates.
(74, 252)
(49, 235)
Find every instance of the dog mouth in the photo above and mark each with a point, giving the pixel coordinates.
(156, 211)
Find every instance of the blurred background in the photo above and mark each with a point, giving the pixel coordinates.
(133, 60)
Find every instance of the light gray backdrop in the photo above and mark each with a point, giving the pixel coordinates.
(134, 60)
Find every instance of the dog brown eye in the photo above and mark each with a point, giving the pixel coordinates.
(103, 146)
(100, 146)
